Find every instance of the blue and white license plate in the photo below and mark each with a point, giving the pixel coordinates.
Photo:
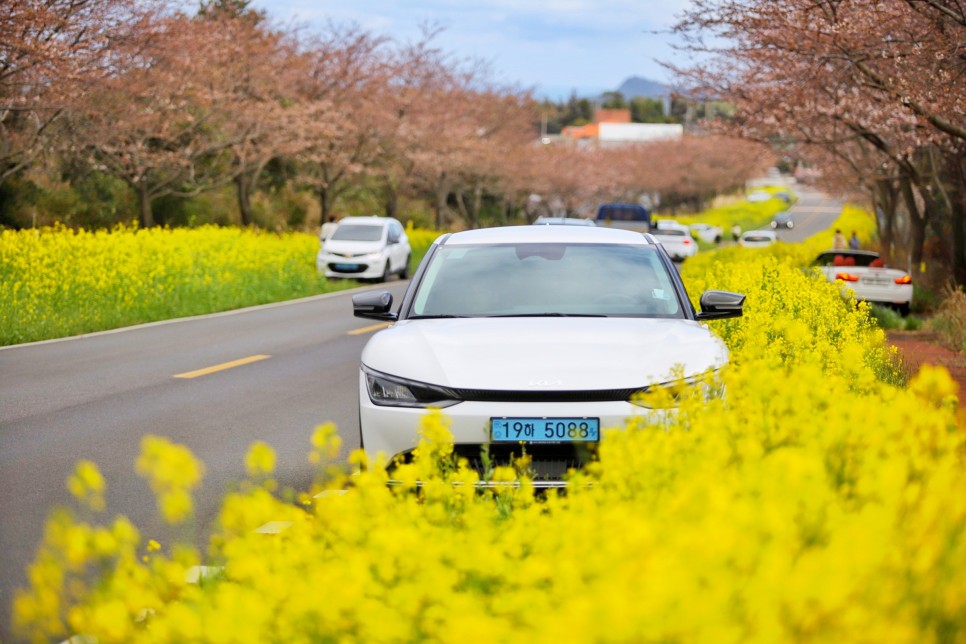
(346, 267)
(545, 430)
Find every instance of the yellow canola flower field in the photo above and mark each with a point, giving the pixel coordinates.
(820, 498)
(59, 281)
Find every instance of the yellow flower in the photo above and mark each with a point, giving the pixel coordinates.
(260, 460)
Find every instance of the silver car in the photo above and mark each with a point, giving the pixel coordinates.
(532, 339)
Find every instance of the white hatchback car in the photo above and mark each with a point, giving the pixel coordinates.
(676, 239)
(532, 339)
(365, 248)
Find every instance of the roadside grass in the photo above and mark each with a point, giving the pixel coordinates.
(949, 320)
(58, 282)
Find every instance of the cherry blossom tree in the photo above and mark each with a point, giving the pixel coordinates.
(871, 89)
(46, 50)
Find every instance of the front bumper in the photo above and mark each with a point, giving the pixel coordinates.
(364, 267)
(394, 431)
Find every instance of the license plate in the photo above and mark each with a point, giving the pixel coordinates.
(346, 267)
(544, 430)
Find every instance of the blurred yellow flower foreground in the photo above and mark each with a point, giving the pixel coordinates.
(820, 499)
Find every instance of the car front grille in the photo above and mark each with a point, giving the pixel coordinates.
(548, 466)
(597, 395)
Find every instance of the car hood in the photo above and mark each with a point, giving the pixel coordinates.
(346, 247)
(530, 354)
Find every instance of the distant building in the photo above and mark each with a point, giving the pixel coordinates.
(613, 128)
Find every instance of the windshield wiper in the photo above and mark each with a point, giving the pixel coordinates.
(435, 317)
(549, 315)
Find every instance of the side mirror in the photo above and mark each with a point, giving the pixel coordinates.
(373, 305)
(717, 305)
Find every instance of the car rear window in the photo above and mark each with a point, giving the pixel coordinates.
(546, 279)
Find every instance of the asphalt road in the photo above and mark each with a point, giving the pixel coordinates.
(812, 213)
(94, 397)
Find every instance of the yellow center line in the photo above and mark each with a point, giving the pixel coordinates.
(367, 329)
(221, 367)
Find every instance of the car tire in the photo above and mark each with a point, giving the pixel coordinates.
(903, 309)
(386, 273)
(404, 271)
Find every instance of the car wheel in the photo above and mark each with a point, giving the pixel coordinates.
(404, 271)
(386, 273)
(903, 309)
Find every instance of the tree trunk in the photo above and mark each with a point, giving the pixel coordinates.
(477, 204)
(392, 199)
(325, 203)
(956, 171)
(917, 225)
(243, 189)
(884, 201)
(146, 215)
(442, 192)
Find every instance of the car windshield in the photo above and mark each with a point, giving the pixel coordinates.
(670, 232)
(546, 280)
(757, 238)
(357, 232)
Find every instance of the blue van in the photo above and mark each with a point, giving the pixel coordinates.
(629, 216)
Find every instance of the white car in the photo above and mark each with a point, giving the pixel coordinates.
(365, 248)
(757, 238)
(677, 239)
(532, 339)
(707, 233)
(865, 274)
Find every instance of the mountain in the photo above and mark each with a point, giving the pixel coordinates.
(636, 86)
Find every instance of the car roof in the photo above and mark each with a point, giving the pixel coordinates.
(544, 234)
(755, 233)
(366, 219)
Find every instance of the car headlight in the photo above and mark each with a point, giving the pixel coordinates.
(393, 391)
(668, 395)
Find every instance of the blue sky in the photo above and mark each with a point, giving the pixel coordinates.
(556, 46)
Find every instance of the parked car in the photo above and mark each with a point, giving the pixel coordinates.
(782, 220)
(677, 239)
(758, 196)
(564, 221)
(707, 233)
(532, 339)
(628, 216)
(365, 248)
(865, 274)
(757, 238)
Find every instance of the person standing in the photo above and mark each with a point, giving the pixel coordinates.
(838, 241)
(736, 231)
(854, 241)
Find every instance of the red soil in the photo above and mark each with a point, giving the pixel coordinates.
(922, 347)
